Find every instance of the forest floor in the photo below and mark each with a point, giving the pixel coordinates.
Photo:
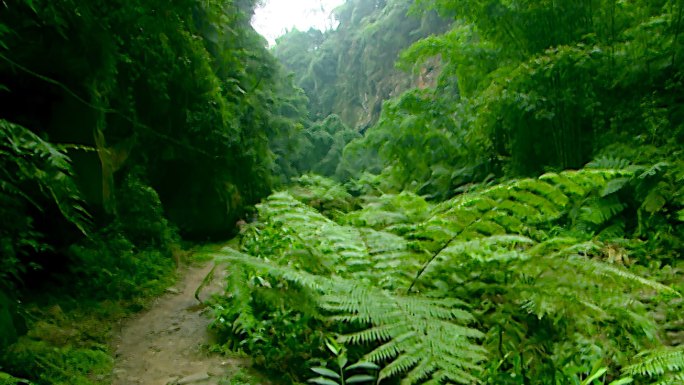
(167, 344)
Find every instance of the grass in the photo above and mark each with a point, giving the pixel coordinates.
(245, 377)
(68, 336)
(70, 328)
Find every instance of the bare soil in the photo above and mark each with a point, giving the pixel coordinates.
(167, 343)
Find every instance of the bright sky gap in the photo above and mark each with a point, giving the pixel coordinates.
(276, 17)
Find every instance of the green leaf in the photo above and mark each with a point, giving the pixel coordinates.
(614, 185)
(342, 361)
(680, 215)
(363, 365)
(355, 379)
(654, 201)
(325, 372)
(622, 381)
(594, 376)
(332, 348)
(323, 381)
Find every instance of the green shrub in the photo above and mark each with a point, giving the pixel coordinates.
(141, 216)
(111, 264)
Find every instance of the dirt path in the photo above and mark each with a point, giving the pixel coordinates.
(164, 345)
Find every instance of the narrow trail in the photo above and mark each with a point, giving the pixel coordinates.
(164, 345)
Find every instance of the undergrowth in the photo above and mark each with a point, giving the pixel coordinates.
(62, 291)
(73, 297)
(555, 279)
(68, 336)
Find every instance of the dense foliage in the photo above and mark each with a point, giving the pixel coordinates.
(438, 264)
(530, 86)
(525, 282)
(125, 125)
(350, 71)
(467, 191)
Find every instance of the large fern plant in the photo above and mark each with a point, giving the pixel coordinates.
(421, 337)
(515, 283)
(535, 255)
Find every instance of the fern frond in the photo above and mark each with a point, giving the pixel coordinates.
(389, 210)
(498, 247)
(341, 245)
(322, 193)
(614, 186)
(412, 331)
(520, 206)
(598, 211)
(28, 158)
(609, 162)
(550, 192)
(605, 270)
(242, 301)
(370, 335)
(545, 207)
(653, 170)
(613, 231)
(671, 379)
(375, 256)
(299, 277)
(565, 184)
(654, 363)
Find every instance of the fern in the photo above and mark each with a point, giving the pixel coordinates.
(244, 322)
(665, 366)
(527, 260)
(303, 279)
(393, 260)
(28, 158)
(422, 337)
(528, 207)
(324, 194)
(371, 255)
(495, 245)
(426, 337)
(33, 174)
(606, 162)
(389, 210)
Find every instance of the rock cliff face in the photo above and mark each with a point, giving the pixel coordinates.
(351, 70)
